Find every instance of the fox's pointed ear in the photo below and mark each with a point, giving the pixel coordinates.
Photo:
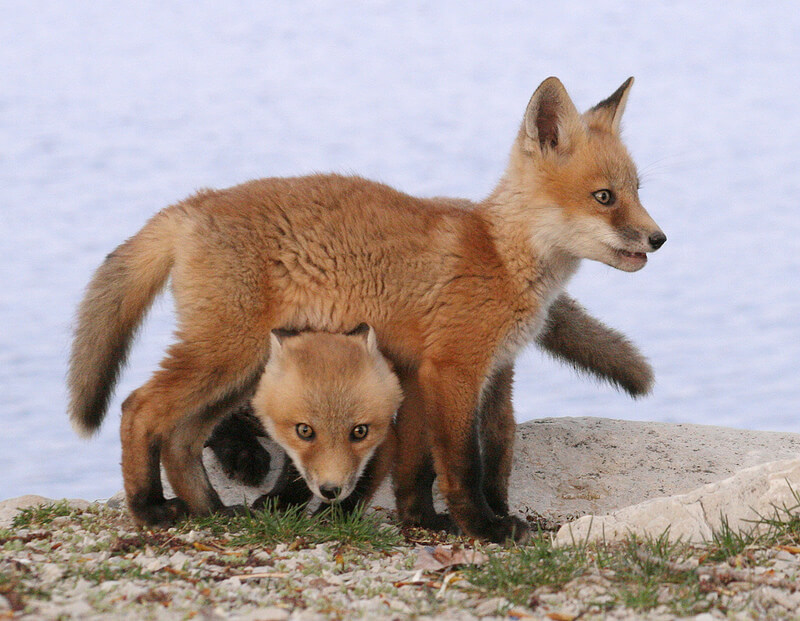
(609, 111)
(551, 118)
(367, 333)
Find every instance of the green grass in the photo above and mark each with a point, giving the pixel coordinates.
(639, 573)
(638, 570)
(727, 543)
(41, 515)
(782, 527)
(294, 526)
(516, 572)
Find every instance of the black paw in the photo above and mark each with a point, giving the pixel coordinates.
(236, 446)
(508, 529)
(439, 522)
(162, 513)
(234, 510)
(497, 504)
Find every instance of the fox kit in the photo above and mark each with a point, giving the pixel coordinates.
(329, 401)
(452, 291)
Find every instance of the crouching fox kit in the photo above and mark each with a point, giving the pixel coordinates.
(453, 291)
(329, 401)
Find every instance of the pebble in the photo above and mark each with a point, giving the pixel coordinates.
(50, 573)
(272, 613)
(489, 607)
(783, 555)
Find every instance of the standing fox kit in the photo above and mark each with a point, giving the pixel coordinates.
(329, 401)
(452, 290)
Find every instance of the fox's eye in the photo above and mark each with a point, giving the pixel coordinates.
(604, 197)
(359, 432)
(306, 432)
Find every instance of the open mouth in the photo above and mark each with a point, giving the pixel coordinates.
(640, 256)
(629, 261)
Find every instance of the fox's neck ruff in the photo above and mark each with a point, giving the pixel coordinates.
(525, 232)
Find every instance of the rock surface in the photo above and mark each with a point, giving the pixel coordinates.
(567, 467)
(740, 500)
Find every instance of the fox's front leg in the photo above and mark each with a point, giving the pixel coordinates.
(574, 336)
(412, 473)
(450, 393)
(498, 429)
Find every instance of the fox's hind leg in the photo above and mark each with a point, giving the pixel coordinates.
(201, 378)
(182, 455)
(498, 429)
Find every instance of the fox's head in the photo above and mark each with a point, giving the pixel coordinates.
(329, 400)
(578, 185)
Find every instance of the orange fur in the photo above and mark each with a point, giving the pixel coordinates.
(453, 291)
(334, 385)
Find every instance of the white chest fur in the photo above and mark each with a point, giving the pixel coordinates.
(539, 296)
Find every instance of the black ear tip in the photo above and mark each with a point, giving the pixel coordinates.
(360, 329)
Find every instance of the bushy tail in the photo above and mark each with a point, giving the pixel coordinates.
(116, 300)
(574, 336)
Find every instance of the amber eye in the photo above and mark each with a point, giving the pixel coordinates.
(306, 432)
(604, 197)
(359, 432)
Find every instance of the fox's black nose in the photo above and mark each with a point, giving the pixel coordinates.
(657, 240)
(329, 491)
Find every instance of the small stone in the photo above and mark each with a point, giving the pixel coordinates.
(273, 613)
(230, 583)
(61, 520)
(51, 573)
(150, 563)
(489, 607)
(117, 501)
(178, 560)
(778, 597)
(4, 603)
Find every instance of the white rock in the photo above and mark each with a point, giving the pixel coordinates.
(178, 560)
(50, 573)
(489, 607)
(742, 498)
(9, 508)
(272, 613)
(117, 501)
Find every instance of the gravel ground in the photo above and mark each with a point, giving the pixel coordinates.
(93, 563)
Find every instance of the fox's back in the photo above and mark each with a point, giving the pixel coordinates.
(332, 249)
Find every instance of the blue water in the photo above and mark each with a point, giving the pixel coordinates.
(110, 111)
